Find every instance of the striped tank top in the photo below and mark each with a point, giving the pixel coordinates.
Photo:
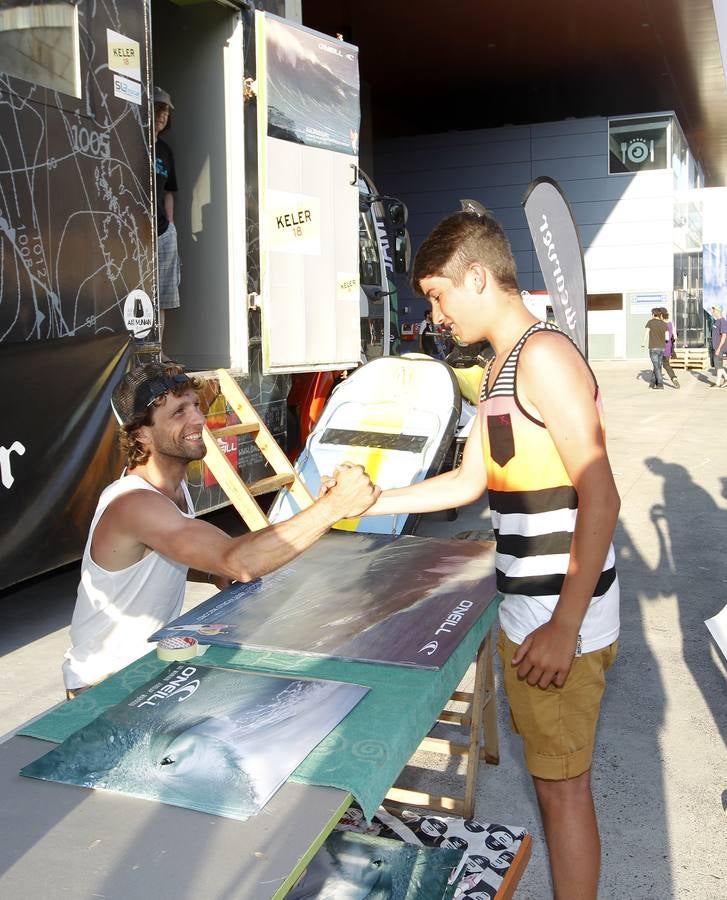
(534, 508)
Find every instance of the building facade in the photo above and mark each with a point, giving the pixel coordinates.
(631, 183)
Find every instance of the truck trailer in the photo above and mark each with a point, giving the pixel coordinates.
(286, 249)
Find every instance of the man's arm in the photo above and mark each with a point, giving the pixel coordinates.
(547, 653)
(452, 489)
(142, 519)
(219, 581)
(645, 338)
(169, 206)
(723, 338)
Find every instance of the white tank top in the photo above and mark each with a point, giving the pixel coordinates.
(117, 611)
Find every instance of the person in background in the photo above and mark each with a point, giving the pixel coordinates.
(428, 335)
(166, 187)
(719, 346)
(669, 344)
(655, 336)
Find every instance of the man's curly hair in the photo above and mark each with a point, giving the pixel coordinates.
(136, 453)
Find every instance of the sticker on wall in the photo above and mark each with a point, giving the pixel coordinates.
(138, 313)
(294, 223)
(126, 89)
(124, 56)
(642, 304)
(347, 287)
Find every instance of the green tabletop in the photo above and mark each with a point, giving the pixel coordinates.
(363, 755)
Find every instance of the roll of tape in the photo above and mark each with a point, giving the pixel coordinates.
(177, 649)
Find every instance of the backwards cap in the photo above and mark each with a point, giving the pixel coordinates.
(138, 389)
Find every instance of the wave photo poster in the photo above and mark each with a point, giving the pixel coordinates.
(407, 601)
(215, 740)
(357, 866)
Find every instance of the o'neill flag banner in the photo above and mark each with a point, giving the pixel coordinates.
(560, 255)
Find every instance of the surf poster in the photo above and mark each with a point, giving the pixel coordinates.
(312, 87)
(358, 866)
(487, 850)
(209, 739)
(558, 248)
(404, 601)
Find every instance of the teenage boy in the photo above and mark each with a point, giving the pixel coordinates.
(538, 447)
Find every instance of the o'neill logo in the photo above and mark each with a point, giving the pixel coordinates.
(448, 625)
(178, 686)
(570, 313)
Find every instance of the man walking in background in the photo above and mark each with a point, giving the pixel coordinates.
(719, 345)
(655, 336)
(671, 339)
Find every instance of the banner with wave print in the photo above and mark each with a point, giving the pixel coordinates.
(558, 247)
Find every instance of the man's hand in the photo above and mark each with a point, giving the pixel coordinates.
(546, 654)
(327, 482)
(221, 582)
(352, 492)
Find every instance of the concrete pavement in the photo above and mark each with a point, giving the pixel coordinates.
(660, 770)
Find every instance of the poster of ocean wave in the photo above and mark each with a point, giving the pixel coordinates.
(215, 740)
(403, 601)
(359, 867)
(312, 87)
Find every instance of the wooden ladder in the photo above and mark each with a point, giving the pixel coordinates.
(241, 495)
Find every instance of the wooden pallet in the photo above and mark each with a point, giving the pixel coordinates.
(690, 358)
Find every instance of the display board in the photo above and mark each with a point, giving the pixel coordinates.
(215, 740)
(404, 601)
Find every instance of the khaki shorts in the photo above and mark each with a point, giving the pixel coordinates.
(557, 725)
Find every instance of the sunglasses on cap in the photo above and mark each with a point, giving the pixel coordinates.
(157, 387)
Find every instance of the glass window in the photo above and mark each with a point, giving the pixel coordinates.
(604, 302)
(39, 43)
(638, 145)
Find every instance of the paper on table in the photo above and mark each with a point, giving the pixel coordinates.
(718, 629)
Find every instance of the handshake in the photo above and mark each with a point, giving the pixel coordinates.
(349, 491)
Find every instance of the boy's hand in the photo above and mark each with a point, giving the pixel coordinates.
(546, 655)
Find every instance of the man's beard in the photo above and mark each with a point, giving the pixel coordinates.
(179, 449)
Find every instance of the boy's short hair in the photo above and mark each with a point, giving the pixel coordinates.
(460, 240)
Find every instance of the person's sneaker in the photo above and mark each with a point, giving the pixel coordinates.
(676, 384)
(658, 387)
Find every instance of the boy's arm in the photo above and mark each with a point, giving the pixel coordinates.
(547, 653)
(645, 338)
(452, 489)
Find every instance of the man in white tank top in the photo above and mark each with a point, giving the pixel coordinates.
(144, 538)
